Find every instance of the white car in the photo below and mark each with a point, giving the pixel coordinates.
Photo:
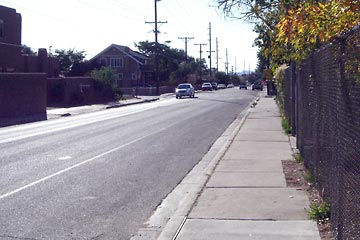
(206, 86)
(184, 89)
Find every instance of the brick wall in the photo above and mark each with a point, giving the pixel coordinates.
(22, 98)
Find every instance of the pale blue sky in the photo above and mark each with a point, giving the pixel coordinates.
(92, 25)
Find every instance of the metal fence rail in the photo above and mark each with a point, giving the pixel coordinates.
(327, 119)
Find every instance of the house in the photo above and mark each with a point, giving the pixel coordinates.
(130, 66)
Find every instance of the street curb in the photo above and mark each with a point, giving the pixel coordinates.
(169, 217)
(134, 103)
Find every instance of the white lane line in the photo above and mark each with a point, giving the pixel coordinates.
(40, 128)
(67, 125)
(78, 164)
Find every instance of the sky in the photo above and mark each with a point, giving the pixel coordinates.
(93, 25)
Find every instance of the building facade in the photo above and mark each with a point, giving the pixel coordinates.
(129, 65)
(10, 40)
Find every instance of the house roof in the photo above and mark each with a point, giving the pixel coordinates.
(136, 56)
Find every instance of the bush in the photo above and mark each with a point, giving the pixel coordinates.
(320, 212)
(104, 83)
(286, 125)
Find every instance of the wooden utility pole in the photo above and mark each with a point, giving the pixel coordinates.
(156, 31)
(187, 39)
(210, 51)
(200, 44)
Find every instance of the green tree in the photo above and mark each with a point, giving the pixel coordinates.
(104, 82)
(290, 30)
(27, 50)
(68, 58)
(222, 78)
(173, 63)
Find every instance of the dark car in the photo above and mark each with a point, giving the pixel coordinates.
(257, 85)
(214, 85)
(243, 86)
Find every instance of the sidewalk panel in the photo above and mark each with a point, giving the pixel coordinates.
(259, 150)
(200, 229)
(251, 204)
(246, 179)
(249, 165)
(263, 124)
(261, 136)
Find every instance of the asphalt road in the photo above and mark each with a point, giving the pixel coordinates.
(101, 175)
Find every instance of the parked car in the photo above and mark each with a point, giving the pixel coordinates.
(243, 85)
(230, 85)
(221, 86)
(214, 85)
(184, 89)
(257, 85)
(206, 86)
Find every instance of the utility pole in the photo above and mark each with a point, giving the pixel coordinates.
(187, 39)
(235, 66)
(227, 63)
(156, 50)
(210, 51)
(217, 55)
(200, 44)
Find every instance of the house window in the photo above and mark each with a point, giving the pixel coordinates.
(116, 62)
(133, 76)
(2, 30)
(102, 61)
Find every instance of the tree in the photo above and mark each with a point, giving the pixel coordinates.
(104, 82)
(290, 30)
(222, 77)
(172, 62)
(27, 50)
(68, 58)
(310, 25)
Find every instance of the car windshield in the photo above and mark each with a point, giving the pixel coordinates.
(183, 86)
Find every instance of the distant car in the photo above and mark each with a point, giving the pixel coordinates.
(221, 86)
(214, 85)
(257, 85)
(243, 86)
(206, 86)
(184, 89)
(230, 85)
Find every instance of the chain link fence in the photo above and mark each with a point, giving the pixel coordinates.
(322, 103)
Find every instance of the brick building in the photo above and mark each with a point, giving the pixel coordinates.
(10, 40)
(11, 57)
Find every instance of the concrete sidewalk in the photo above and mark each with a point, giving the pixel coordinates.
(245, 195)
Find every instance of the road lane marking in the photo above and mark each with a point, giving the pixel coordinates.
(65, 158)
(8, 194)
(37, 128)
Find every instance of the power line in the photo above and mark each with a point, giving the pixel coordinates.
(126, 7)
(156, 49)
(200, 44)
(187, 39)
(210, 51)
